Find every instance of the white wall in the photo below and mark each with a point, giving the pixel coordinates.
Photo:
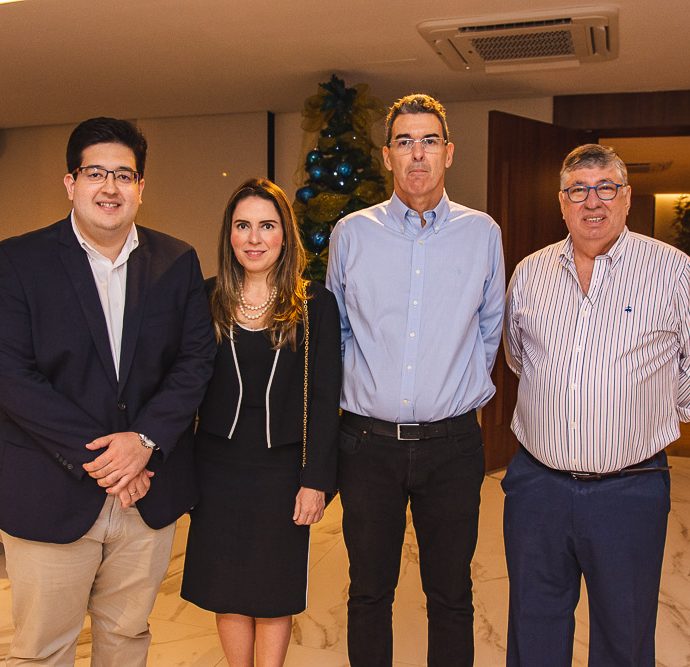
(291, 145)
(186, 189)
(193, 165)
(185, 192)
(32, 166)
(468, 123)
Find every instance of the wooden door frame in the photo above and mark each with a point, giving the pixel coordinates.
(522, 198)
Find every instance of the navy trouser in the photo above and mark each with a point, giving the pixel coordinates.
(441, 478)
(558, 529)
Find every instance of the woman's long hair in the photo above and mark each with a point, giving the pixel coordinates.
(285, 275)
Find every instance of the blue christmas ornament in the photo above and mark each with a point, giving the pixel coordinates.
(316, 173)
(313, 156)
(344, 168)
(319, 240)
(305, 194)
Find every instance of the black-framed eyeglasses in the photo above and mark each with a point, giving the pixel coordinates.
(605, 191)
(97, 175)
(428, 144)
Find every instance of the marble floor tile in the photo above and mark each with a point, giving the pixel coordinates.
(179, 645)
(185, 636)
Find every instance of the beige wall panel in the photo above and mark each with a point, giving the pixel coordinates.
(32, 166)
(290, 147)
(194, 164)
(185, 192)
(469, 128)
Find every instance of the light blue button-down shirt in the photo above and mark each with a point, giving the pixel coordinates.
(421, 309)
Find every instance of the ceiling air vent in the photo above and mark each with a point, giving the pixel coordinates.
(530, 40)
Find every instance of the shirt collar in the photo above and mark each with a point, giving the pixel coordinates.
(400, 212)
(614, 253)
(131, 242)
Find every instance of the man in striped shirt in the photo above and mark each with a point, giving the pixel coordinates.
(598, 330)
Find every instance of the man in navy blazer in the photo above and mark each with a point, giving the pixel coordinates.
(106, 348)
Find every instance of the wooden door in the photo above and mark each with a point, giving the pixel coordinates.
(525, 157)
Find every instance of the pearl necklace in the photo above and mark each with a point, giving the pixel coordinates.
(258, 311)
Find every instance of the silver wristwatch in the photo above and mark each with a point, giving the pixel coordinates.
(148, 443)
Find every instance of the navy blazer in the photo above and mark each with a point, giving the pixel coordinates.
(59, 389)
(285, 402)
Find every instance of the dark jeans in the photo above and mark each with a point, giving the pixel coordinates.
(441, 478)
(610, 531)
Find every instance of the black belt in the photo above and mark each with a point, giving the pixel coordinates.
(423, 431)
(634, 469)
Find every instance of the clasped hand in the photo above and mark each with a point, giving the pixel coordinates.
(121, 468)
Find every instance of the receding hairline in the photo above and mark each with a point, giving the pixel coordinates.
(416, 103)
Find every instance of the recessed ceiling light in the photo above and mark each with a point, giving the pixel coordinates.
(7, 2)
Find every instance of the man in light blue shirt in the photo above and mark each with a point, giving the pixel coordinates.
(420, 286)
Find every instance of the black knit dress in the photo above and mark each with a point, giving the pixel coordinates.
(244, 554)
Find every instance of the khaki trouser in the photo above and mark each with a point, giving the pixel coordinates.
(113, 573)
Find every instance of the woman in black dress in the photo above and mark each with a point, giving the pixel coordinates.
(266, 443)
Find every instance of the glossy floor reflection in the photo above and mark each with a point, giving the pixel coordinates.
(184, 635)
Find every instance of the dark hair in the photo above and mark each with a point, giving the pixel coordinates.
(593, 155)
(286, 274)
(105, 131)
(416, 103)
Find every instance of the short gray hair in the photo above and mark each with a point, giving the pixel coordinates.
(593, 155)
(416, 103)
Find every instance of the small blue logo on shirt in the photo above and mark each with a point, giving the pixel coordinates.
(628, 309)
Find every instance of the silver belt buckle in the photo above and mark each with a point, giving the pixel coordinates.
(585, 476)
(400, 437)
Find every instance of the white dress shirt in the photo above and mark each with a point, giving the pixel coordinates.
(111, 283)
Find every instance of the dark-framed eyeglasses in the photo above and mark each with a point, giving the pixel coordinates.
(97, 175)
(605, 191)
(429, 144)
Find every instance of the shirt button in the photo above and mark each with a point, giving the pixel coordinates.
(415, 302)
(573, 386)
(412, 334)
(409, 367)
(420, 242)
(573, 425)
(121, 405)
(417, 271)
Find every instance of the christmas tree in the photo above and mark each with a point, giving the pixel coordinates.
(681, 208)
(342, 173)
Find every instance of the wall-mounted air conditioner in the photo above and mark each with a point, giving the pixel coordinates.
(532, 40)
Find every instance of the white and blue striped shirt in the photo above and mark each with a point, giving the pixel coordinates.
(604, 376)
